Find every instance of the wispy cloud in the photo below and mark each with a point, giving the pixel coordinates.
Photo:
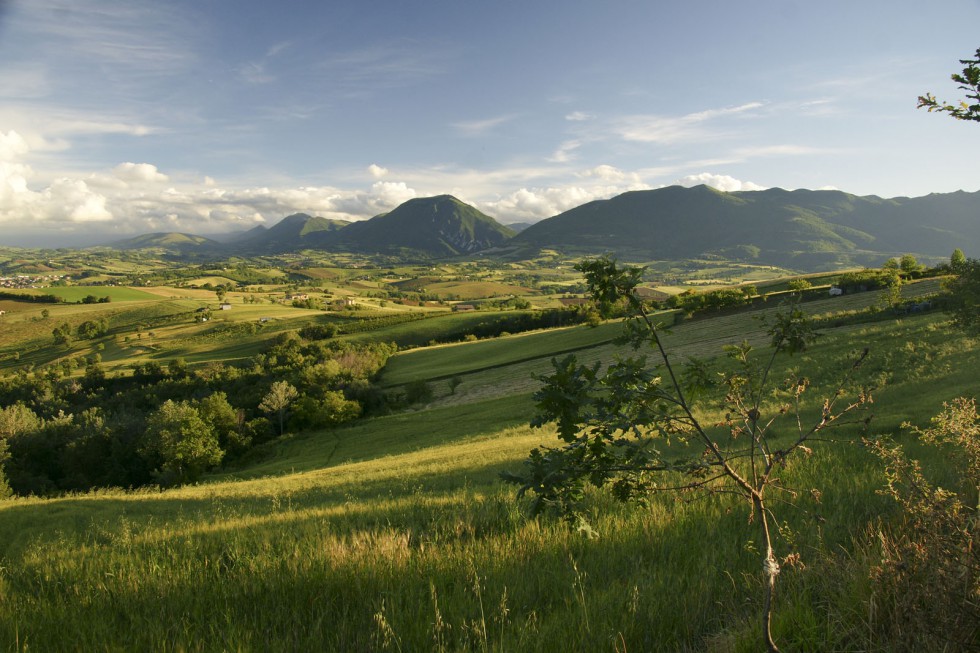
(677, 129)
(385, 66)
(478, 127)
(565, 151)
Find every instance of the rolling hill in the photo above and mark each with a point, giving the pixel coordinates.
(170, 240)
(294, 232)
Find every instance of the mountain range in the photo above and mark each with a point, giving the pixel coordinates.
(801, 229)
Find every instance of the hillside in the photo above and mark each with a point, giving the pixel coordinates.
(171, 241)
(436, 227)
(801, 229)
(292, 233)
(396, 533)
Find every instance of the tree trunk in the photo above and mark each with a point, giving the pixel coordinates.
(770, 569)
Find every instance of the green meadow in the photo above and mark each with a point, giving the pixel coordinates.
(395, 533)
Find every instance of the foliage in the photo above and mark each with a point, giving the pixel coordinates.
(281, 395)
(90, 329)
(969, 81)
(868, 279)
(713, 300)
(639, 432)
(962, 298)
(62, 334)
(418, 392)
(929, 572)
(327, 410)
(186, 444)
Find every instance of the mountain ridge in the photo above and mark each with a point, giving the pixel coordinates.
(802, 229)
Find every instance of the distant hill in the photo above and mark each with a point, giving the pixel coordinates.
(169, 240)
(435, 227)
(518, 227)
(801, 229)
(294, 232)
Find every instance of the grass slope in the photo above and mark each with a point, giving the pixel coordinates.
(395, 534)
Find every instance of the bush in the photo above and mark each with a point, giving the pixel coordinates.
(928, 577)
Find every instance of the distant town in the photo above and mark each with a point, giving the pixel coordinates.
(31, 281)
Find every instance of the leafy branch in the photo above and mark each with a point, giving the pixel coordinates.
(969, 81)
(627, 427)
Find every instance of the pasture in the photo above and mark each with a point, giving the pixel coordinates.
(395, 533)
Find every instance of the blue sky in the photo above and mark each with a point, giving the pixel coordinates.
(128, 116)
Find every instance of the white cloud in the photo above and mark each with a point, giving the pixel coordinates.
(612, 174)
(377, 171)
(139, 172)
(579, 116)
(533, 204)
(12, 145)
(720, 182)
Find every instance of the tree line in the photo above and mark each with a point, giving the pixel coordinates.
(167, 425)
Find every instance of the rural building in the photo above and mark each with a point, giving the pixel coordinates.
(225, 307)
(835, 291)
(462, 308)
(298, 296)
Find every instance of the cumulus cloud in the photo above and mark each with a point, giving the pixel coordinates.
(720, 182)
(139, 172)
(64, 200)
(132, 199)
(612, 174)
(12, 145)
(533, 204)
(377, 171)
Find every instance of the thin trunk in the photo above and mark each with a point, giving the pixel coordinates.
(770, 569)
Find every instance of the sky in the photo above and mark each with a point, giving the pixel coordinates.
(121, 117)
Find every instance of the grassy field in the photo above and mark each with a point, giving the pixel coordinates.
(443, 361)
(77, 293)
(396, 534)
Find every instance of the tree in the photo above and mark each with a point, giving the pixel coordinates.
(957, 259)
(277, 401)
(969, 81)
(227, 422)
(613, 424)
(962, 297)
(454, 383)
(187, 445)
(62, 334)
(909, 265)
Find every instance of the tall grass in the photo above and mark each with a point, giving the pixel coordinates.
(396, 535)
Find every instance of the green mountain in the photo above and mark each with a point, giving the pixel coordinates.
(170, 240)
(802, 229)
(294, 232)
(429, 226)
